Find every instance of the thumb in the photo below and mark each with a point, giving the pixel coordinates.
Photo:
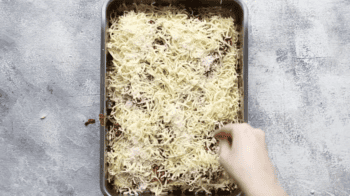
(224, 149)
(223, 137)
(225, 154)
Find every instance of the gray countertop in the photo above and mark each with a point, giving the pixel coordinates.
(299, 94)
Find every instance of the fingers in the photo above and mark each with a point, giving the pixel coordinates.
(222, 133)
(231, 130)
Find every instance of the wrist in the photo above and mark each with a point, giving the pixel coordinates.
(265, 189)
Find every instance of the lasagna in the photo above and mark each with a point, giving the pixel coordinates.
(172, 80)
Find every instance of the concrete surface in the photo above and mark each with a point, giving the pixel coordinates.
(299, 94)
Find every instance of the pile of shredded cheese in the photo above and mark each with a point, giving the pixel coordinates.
(171, 86)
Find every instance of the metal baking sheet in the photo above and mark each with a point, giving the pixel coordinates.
(238, 10)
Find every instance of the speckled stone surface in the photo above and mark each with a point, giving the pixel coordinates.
(299, 94)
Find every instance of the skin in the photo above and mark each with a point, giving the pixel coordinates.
(244, 156)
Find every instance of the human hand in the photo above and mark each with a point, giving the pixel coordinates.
(246, 160)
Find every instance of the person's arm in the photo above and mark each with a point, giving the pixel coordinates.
(246, 160)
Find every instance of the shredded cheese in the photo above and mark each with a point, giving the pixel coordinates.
(172, 84)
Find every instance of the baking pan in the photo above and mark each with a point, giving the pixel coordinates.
(238, 11)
